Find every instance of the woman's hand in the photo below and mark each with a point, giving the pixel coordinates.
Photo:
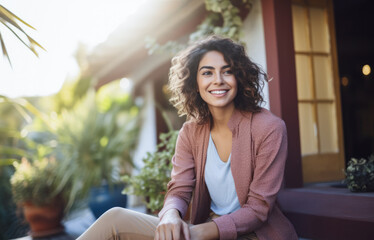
(172, 227)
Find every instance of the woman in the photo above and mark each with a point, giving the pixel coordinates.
(229, 159)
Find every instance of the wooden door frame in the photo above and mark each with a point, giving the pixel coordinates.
(280, 60)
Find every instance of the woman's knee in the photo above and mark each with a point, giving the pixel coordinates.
(114, 213)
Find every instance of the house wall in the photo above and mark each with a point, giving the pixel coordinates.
(253, 29)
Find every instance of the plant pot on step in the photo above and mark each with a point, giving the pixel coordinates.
(44, 220)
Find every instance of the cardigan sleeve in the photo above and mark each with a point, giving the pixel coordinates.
(182, 181)
(271, 153)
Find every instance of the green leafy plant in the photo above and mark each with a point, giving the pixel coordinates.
(93, 141)
(14, 144)
(151, 182)
(223, 19)
(37, 178)
(97, 138)
(36, 181)
(11, 223)
(33, 144)
(360, 174)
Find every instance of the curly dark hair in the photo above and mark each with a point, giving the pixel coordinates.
(183, 78)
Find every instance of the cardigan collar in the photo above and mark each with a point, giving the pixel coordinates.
(236, 118)
(234, 121)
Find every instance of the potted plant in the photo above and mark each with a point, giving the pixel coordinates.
(37, 189)
(34, 183)
(97, 137)
(151, 182)
(360, 174)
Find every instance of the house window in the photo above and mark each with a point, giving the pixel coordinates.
(318, 91)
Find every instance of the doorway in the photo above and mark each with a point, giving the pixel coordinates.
(354, 24)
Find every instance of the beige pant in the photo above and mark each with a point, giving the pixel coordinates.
(124, 224)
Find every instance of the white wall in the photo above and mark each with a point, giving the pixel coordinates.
(147, 136)
(253, 29)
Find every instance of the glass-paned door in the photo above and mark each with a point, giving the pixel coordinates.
(317, 90)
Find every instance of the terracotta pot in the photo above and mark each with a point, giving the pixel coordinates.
(44, 220)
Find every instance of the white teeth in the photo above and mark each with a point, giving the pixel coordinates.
(218, 92)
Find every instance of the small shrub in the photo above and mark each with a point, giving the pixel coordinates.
(36, 182)
(360, 174)
(151, 182)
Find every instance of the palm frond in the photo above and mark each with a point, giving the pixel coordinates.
(16, 17)
(11, 21)
(3, 48)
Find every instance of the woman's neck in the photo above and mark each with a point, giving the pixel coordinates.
(221, 117)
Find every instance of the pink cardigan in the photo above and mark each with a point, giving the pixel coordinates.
(259, 151)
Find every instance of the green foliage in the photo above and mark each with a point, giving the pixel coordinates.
(71, 93)
(36, 181)
(13, 146)
(15, 115)
(32, 180)
(223, 19)
(97, 138)
(151, 182)
(360, 174)
(229, 14)
(92, 143)
(11, 223)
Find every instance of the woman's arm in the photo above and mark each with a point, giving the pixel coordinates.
(179, 192)
(204, 231)
(183, 178)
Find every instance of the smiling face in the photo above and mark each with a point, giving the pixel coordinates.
(216, 82)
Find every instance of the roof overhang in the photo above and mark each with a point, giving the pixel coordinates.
(124, 53)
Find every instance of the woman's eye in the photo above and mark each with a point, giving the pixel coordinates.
(228, 72)
(207, 73)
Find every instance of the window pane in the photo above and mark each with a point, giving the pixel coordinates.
(323, 77)
(327, 127)
(304, 77)
(308, 129)
(300, 28)
(320, 34)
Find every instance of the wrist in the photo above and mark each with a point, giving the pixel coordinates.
(205, 231)
(172, 212)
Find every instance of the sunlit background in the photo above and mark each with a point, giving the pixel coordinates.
(61, 27)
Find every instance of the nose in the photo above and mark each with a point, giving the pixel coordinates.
(218, 79)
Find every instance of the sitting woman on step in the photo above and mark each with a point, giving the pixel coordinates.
(229, 159)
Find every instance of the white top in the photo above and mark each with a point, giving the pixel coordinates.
(220, 182)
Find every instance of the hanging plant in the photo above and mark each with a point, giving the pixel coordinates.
(224, 19)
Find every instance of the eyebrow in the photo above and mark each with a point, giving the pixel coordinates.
(210, 67)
